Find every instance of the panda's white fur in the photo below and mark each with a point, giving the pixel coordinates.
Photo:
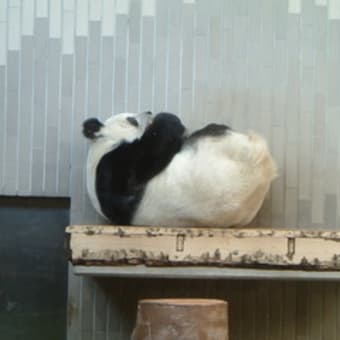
(212, 181)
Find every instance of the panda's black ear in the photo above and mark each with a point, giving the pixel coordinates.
(90, 127)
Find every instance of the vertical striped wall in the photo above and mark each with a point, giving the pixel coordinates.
(269, 66)
(259, 310)
(262, 65)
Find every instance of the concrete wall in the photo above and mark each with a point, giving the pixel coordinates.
(270, 66)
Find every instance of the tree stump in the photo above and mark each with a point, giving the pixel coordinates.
(181, 319)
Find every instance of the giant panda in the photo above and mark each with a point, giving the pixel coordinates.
(145, 170)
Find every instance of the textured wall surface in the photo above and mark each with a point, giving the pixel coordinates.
(270, 66)
(258, 310)
(262, 65)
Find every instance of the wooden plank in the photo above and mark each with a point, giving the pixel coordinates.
(205, 272)
(117, 245)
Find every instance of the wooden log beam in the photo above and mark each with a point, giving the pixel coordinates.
(247, 248)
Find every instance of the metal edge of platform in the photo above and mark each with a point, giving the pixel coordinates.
(211, 273)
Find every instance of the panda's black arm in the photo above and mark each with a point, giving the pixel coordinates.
(119, 209)
(160, 142)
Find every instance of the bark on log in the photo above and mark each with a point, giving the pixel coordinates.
(181, 319)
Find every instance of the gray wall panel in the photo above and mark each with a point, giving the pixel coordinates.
(134, 57)
(201, 61)
(121, 48)
(187, 62)
(172, 88)
(101, 308)
(147, 65)
(289, 310)
(316, 303)
(161, 45)
(330, 312)
(88, 302)
(74, 302)
(65, 124)
(26, 115)
(94, 52)
(39, 105)
(106, 91)
(81, 94)
(2, 125)
(52, 116)
(12, 145)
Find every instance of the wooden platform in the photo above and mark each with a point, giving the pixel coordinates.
(204, 252)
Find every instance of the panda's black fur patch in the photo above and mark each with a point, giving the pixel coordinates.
(123, 173)
(133, 121)
(211, 130)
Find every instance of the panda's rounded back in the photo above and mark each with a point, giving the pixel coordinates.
(215, 181)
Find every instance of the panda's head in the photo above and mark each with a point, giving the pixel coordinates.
(125, 127)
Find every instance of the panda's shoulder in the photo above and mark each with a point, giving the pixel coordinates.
(118, 160)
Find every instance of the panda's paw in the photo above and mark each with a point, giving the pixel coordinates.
(166, 124)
